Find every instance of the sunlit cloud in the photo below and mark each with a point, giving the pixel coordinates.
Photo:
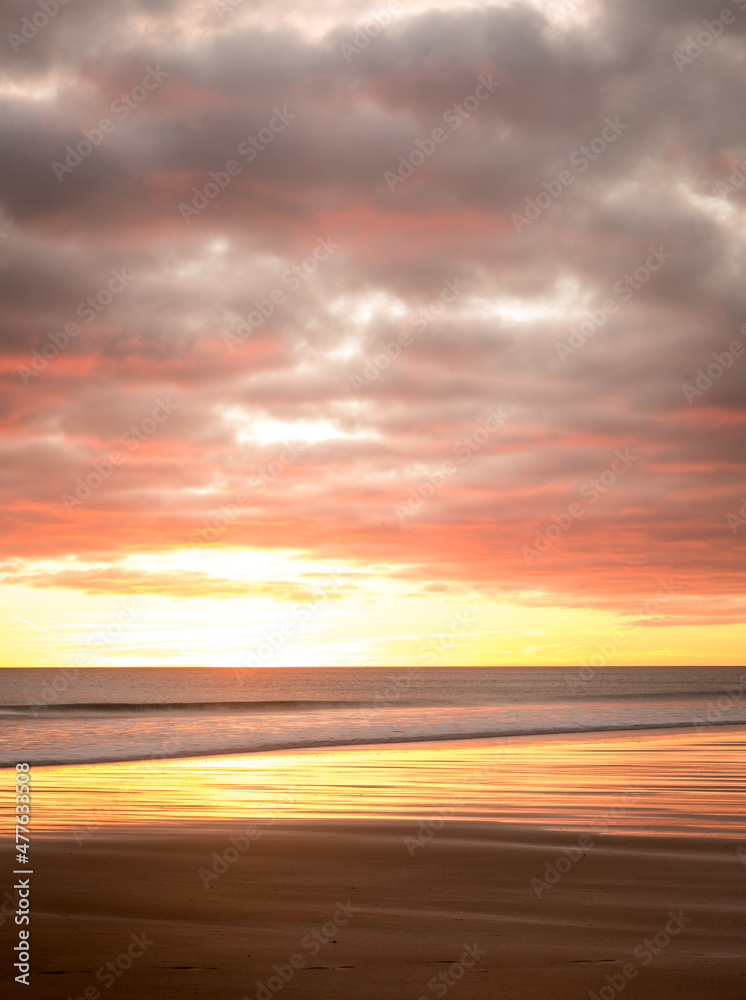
(366, 377)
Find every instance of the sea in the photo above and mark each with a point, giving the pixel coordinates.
(90, 715)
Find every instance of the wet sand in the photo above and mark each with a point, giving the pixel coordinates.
(677, 782)
(356, 911)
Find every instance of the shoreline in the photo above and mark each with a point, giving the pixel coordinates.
(667, 782)
(522, 738)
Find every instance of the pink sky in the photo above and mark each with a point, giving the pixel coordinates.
(321, 351)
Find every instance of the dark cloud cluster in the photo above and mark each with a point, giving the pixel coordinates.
(590, 133)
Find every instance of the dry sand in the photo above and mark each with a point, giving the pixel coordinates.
(405, 919)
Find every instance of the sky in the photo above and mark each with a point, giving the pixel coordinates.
(346, 334)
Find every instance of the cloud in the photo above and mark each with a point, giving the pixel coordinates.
(249, 252)
(184, 584)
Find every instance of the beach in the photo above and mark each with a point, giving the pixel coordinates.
(544, 867)
(360, 916)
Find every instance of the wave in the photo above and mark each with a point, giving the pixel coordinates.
(190, 707)
(78, 709)
(230, 748)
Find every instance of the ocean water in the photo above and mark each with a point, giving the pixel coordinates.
(96, 715)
